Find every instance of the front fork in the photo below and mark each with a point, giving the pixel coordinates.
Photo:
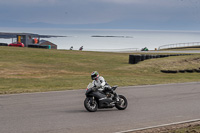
(91, 100)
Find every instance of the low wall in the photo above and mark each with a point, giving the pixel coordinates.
(3, 44)
(39, 46)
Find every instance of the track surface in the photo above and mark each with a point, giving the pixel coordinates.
(63, 112)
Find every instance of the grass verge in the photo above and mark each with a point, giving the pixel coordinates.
(38, 70)
(190, 127)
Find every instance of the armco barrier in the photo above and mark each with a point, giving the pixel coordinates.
(134, 59)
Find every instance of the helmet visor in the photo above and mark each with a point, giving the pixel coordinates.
(94, 77)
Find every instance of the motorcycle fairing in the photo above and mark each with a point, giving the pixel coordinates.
(104, 102)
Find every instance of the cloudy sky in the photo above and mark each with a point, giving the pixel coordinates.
(135, 14)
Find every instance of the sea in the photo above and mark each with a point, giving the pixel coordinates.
(109, 39)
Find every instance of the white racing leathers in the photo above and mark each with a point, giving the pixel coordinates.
(99, 83)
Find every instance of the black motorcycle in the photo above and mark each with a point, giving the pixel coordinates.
(96, 99)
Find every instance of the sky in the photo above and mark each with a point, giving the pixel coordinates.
(122, 14)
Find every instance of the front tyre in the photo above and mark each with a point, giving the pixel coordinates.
(122, 104)
(90, 106)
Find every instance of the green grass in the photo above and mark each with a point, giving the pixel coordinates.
(38, 70)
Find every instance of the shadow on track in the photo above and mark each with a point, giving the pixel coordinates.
(82, 110)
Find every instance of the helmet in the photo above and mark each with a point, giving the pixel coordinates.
(94, 75)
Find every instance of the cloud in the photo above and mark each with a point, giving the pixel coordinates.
(122, 1)
(99, 11)
(26, 2)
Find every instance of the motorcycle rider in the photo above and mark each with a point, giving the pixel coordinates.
(100, 83)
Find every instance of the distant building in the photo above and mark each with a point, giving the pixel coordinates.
(47, 43)
(30, 40)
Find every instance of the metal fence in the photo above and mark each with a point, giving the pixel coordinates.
(114, 50)
(179, 45)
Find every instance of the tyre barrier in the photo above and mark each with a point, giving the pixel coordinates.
(169, 71)
(197, 70)
(157, 56)
(147, 56)
(143, 57)
(189, 71)
(134, 59)
(131, 59)
(181, 71)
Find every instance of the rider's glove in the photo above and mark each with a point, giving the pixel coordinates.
(101, 88)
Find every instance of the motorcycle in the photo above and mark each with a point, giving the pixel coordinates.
(96, 99)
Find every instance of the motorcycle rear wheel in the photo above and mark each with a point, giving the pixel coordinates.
(90, 107)
(122, 105)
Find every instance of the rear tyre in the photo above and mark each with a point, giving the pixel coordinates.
(91, 107)
(122, 104)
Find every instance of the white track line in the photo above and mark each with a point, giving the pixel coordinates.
(175, 123)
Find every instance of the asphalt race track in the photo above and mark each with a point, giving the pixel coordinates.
(64, 112)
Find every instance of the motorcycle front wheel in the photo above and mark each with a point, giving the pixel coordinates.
(122, 104)
(91, 107)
